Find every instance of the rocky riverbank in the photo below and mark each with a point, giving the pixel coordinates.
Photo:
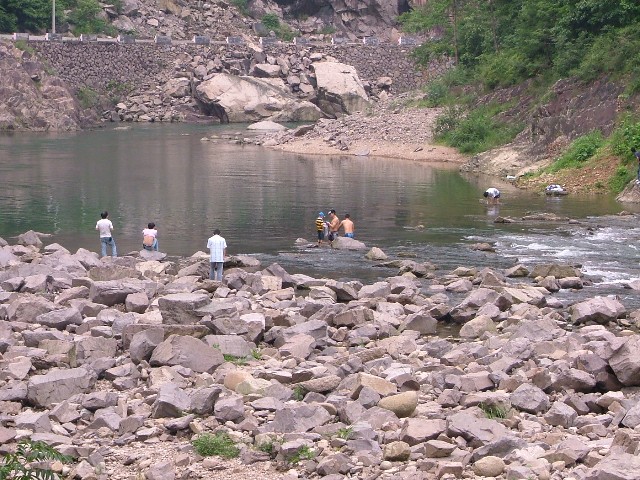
(390, 127)
(122, 362)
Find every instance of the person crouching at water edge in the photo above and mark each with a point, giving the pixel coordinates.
(217, 245)
(348, 226)
(492, 195)
(150, 237)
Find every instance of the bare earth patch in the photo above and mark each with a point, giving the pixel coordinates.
(592, 178)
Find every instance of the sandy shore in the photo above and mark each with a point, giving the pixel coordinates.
(387, 149)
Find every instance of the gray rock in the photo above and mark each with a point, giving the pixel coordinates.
(529, 398)
(229, 408)
(58, 385)
(598, 309)
(625, 362)
(188, 352)
(298, 418)
(144, 343)
(561, 414)
(477, 431)
(180, 308)
(171, 401)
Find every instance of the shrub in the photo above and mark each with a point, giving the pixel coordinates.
(87, 97)
(85, 17)
(303, 453)
(625, 137)
(475, 131)
(494, 411)
(581, 150)
(235, 360)
(299, 393)
(271, 21)
(345, 433)
(218, 444)
(242, 6)
(621, 178)
(19, 465)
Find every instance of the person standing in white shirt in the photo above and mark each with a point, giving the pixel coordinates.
(217, 245)
(104, 226)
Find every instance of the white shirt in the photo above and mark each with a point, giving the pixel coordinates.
(216, 246)
(493, 192)
(105, 226)
(150, 232)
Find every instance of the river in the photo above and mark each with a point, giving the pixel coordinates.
(263, 200)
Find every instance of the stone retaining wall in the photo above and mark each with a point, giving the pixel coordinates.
(147, 65)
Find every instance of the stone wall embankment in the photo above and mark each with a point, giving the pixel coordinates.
(142, 65)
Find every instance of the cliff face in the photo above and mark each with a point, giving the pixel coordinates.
(31, 98)
(351, 18)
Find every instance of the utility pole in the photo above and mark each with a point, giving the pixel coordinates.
(53, 17)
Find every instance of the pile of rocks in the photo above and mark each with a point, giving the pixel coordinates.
(120, 362)
(390, 120)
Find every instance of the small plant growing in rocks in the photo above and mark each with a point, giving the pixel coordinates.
(494, 411)
(235, 360)
(345, 433)
(219, 444)
(303, 453)
(298, 393)
(266, 447)
(27, 462)
(256, 354)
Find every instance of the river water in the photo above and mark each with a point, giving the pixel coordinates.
(263, 200)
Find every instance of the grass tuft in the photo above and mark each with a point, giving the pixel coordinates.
(219, 444)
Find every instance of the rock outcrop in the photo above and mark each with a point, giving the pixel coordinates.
(31, 97)
(248, 99)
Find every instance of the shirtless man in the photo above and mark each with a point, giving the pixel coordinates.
(334, 225)
(347, 224)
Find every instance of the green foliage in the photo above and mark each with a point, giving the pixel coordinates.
(282, 30)
(235, 360)
(475, 131)
(218, 444)
(256, 354)
(303, 453)
(345, 433)
(20, 465)
(507, 41)
(298, 393)
(87, 97)
(84, 16)
(581, 150)
(625, 138)
(242, 6)
(327, 30)
(24, 46)
(271, 21)
(24, 15)
(266, 447)
(494, 411)
(622, 177)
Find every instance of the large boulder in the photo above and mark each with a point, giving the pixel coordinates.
(58, 385)
(625, 362)
(340, 90)
(187, 351)
(598, 309)
(247, 99)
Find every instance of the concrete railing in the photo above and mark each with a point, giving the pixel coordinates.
(198, 40)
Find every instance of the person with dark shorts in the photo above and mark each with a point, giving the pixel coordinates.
(320, 227)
